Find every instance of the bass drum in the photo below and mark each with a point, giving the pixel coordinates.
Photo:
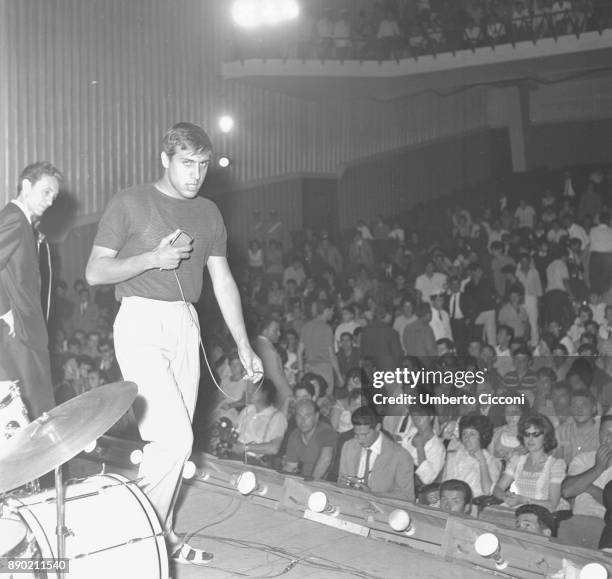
(114, 532)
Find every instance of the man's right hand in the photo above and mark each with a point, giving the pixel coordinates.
(168, 256)
(9, 320)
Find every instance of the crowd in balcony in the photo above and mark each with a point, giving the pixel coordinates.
(395, 30)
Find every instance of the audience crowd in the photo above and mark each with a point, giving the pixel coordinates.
(410, 28)
(519, 289)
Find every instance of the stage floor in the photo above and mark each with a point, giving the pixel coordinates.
(250, 540)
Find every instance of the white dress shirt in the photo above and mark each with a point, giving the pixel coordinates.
(376, 448)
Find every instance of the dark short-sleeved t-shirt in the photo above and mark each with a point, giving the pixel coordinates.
(308, 455)
(137, 219)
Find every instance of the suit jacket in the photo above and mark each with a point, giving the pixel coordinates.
(20, 284)
(392, 474)
(87, 320)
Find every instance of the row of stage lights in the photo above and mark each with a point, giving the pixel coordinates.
(486, 545)
(255, 13)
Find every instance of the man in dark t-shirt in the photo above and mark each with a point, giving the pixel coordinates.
(158, 277)
(310, 448)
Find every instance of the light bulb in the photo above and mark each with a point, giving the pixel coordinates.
(226, 123)
(399, 520)
(189, 470)
(593, 571)
(136, 456)
(91, 446)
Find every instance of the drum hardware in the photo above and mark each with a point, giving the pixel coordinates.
(53, 439)
(133, 541)
(74, 481)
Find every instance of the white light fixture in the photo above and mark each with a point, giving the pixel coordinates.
(136, 456)
(226, 123)
(246, 14)
(400, 521)
(189, 470)
(247, 484)
(291, 9)
(487, 546)
(91, 447)
(594, 571)
(224, 161)
(253, 13)
(318, 503)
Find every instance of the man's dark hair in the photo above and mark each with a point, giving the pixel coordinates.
(186, 137)
(545, 518)
(454, 484)
(305, 385)
(365, 416)
(36, 171)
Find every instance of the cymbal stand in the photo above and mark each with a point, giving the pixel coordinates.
(60, 515)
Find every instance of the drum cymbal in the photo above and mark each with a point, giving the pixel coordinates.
(63, 432)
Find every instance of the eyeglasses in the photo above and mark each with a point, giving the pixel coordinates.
(534, 434)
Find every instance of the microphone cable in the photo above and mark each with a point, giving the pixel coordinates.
(259, 381)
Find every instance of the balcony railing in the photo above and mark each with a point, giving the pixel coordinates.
(431, 34)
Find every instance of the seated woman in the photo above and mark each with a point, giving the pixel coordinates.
(261, 426)
(505, 443)
(534, 477)
(471, 462)
(353, 381)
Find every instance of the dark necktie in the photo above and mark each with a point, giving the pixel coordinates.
(366, 472)
(404, 423)
(454, 305)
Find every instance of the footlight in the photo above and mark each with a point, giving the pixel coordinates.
(91, 447)
(136, 456)
(318, 503)
(487, 546)
(400, 521)
(189, 470)
(593, 571)
(247, 484)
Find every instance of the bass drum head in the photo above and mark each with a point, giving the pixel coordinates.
(114, 530)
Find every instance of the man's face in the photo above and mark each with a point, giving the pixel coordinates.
(365, 435)
(93, 380)
(582, 409)
(186, 171)
(39, 196)
(273, 332)
(306, 418)
(347, 316)
(452, 502)
(529, 523)
(346, 342)
(302, 394)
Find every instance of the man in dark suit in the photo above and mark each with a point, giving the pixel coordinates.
(457, 317)
(24, 348)
(374, 462)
